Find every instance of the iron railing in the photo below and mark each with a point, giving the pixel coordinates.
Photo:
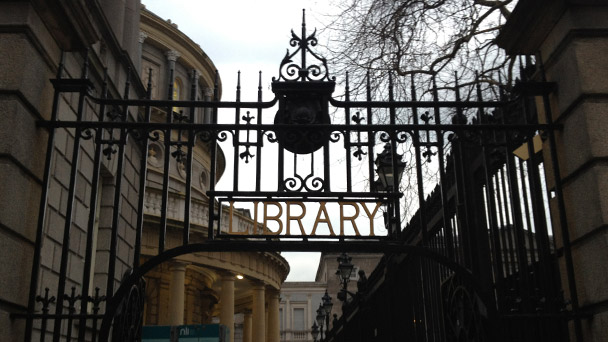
(477, 242)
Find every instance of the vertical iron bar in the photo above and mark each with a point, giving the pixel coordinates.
(517, 225)
(491, 219)
(527, 213)
(394, 214)
(50, 146)
(86, 276)
(213, 148)
(260, 139)
(494, 229)
(96, 301)
(162, 234)
(191, 142)
(561, 205)
(143, 169)
(371, 135)
(502, 224)
(71, 309)
(349, 181)
(449, 239)
(416, 138)
(65, 247)
(46, 301)
(118, 192)
(303, 46)
(507, 227)
(236, 136)
(326, 164)
(545, 257)
(425, 267)
(514, 201)
(462, 204)
(281, 171)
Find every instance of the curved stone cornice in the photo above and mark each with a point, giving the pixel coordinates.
(167, 37)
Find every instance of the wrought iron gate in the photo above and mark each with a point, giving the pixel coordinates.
(468, 217)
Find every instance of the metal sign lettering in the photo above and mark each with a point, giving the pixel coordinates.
(291, 218)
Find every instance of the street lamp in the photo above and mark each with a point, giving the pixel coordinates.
(389, 167)
(384, 167)
(345, 268)
(321, 318)
(315, 331)
(327, 306)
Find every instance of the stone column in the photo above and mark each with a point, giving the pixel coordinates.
(177, 290)
(227, 303)
(274, 329)
(247, 320)
(172, 57)
(208, 112)
(259, 314)
(288, 326)
(312, 313)
(569, 39)
(142, 38)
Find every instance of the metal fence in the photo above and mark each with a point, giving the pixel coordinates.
(476, 260)
(489, 213)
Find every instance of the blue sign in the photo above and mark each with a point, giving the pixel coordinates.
(186, 333)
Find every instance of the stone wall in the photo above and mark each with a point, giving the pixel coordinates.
(33, 34)
(570, 40)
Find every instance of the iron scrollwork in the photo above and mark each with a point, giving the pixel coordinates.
(129, 317)
(464, 311)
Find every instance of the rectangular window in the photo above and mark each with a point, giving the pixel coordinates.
(298, 319)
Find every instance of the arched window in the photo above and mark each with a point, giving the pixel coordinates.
(177, 93)
(177, 88)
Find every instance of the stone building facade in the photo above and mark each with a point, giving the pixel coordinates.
(43, 40)
(34, 35)
(300, 300)
(198, 287)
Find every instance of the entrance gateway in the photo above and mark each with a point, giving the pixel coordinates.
(430, 181)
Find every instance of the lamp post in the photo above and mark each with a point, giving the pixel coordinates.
(345, 268)
(321, 319)
(389, 167)
(389, 174)
(327, 306)
(314, 331)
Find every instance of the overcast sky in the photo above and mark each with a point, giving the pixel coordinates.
(245, 35)
(249, 36)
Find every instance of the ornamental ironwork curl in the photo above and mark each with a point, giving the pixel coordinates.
(335, 136)
(137, 134)
(87, 134)
(385, 136)
(401, 136)
(310, 183)
(210, 135)
(154, 135)
(271, 136)
(290, 70)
